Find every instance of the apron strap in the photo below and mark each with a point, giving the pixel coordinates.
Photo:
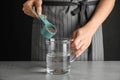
(66, 3)
(81, 5)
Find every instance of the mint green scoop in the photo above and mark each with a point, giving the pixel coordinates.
(48, 30)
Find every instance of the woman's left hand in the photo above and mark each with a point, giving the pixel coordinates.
(81, 40)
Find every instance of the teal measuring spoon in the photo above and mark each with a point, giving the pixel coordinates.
(48, 30)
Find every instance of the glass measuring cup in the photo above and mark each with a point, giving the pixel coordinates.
(48, 30)
(59, 56)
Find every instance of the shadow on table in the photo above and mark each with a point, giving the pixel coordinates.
(22, 70)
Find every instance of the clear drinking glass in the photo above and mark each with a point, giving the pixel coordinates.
(59, 56)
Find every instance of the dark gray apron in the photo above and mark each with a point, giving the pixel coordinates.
(67, 20)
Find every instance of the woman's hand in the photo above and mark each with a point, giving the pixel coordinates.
(28, 7)
(81, 40)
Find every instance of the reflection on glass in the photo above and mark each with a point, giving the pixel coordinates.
(58, 77)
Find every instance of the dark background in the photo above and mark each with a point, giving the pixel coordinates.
(16, 30)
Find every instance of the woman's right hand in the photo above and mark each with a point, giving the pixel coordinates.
(28, 7)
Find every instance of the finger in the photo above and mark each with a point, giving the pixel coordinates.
(76, 42)
(29, 11)
(79, 45)
(80, 51)
(71, 42)
(74, 35)
(73, 38)
(34, 13)
(38, 5)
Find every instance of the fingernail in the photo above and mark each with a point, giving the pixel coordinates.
(77, 55)
(72, 39)
(77, 47)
